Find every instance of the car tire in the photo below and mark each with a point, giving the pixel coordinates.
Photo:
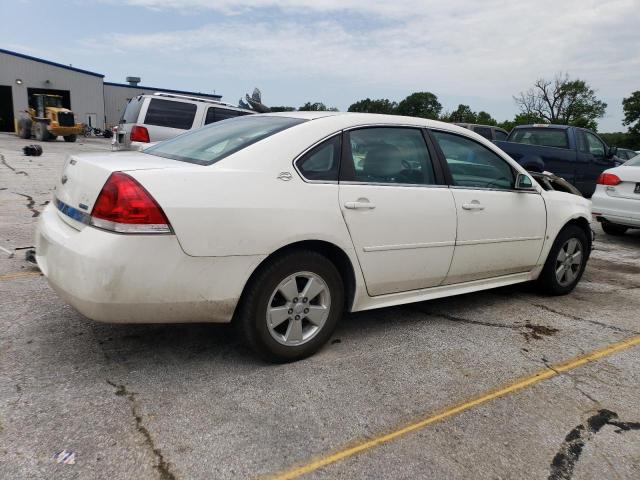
(270, 296)
(69, 138)
(24, 128)
(562, 272)
(613, 229)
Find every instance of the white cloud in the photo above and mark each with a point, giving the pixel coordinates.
(489, 50)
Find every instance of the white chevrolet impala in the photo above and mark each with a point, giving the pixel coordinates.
(282, 222)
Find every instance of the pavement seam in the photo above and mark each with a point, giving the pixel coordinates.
(162, 465)
(580, 319)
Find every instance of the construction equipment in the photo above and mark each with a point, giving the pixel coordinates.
(48, 119)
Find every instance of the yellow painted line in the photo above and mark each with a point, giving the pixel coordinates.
(519, 384)
(10, 276)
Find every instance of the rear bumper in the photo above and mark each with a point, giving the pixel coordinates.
(118, 278)
(622, 211)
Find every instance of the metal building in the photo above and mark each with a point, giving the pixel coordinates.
(116, 96)
(21, 76)
(92, 100)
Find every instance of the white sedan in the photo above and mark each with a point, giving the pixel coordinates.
(281, 222)
(616, 201)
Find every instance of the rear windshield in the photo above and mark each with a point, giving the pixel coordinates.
(546, 137)
(168, 113)
(131, 112)
(213, 142)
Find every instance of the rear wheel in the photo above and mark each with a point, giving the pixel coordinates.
(291, 307)
(566, 262)
(70, 138)
(613, 229)
(41, 132)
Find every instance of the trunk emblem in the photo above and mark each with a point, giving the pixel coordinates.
(284, 176)
(63, 179)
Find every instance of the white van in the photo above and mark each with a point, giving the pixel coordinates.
(152, 118)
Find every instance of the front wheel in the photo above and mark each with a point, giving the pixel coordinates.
(613, 229)
(291, 307)
(566, 262)
(41, 132)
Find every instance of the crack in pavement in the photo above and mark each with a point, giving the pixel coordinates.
(528, 330)
(162, 465)
(565, 460)
(17, 172)
(580, 319)
(30, 203)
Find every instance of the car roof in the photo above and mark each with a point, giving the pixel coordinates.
(544, 125)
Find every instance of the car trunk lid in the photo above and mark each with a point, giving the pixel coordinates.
(629, 187)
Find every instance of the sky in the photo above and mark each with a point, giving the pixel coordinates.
(340, 51)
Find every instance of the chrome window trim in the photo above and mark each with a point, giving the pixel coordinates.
(384, 184)
(486, 189)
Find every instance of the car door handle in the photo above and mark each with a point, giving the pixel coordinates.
(360, 204)
(475, 205)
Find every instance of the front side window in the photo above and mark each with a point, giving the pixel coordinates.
(212, 143)
(596, 147)
(321, 162)
(546, 137)
(473, 165)
(391, 155)
(168, 113)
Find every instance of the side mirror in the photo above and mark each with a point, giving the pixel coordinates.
(523, 182)
(612, 152)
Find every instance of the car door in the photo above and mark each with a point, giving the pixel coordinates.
(500, 230)
(400, 215)
(592, 160)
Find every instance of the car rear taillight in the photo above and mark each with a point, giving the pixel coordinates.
(608, 179)
(124, 206)
(139, 134)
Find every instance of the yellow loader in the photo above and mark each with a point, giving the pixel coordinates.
(48, 119)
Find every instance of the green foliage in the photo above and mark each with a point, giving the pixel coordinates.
(462, 114)
(282, 109)
(420, 104)
(521, 119)
(316, 107)
(631, 109)
(381, 105)
(562, 101)
(622, 140)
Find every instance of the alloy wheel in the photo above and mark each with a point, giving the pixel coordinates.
(569, 262)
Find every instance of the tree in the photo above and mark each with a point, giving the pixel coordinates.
(631, 109)
(381, 105)
(521, 119)
(462, 114)
(483, 118)
(316, 107)
(563, 101)
(282, 109)
(420, 104)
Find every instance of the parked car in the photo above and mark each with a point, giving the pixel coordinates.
(489, 132)
(616, 201)
(160, 116)
(281, 222)
(576, 154)
(625, 154)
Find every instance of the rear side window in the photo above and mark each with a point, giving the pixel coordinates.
(212, 143)
(546, 137)
(132, 110)
(484, 131)
(500, 135)
(321, 162)
(473, 165)
(391, 155)
(215, 114)
(167, 113)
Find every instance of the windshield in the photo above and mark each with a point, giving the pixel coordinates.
(634, 162)
(546, 137)
(212, 143)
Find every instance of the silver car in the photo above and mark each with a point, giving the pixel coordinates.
(152, 118)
